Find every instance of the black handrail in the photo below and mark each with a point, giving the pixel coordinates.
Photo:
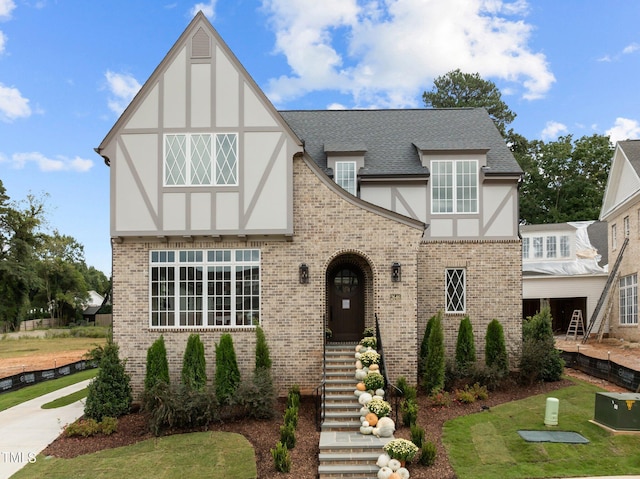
(388, 387)
(320, 390)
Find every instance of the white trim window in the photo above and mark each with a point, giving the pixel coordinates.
(614, 237)
(201, 159)
(551, 246)
(345, 176)
(455, 290)
(526, 246)
(205, 288)
(629, 299)
(454, 186)
(538, 247)
(565, 246)
(625, 223)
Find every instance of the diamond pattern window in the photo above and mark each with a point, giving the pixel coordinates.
(455, 285)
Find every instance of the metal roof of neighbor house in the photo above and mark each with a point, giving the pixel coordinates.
(390, 139)
(631, 150)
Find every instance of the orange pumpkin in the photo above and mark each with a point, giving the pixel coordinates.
(372, 419)
(374, 367)
(395, 475)
(361, 387)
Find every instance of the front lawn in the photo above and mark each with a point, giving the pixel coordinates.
(487, 445)
(195, 455)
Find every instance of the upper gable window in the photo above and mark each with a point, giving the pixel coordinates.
(201, 159)
(346, 176)
(454, 186)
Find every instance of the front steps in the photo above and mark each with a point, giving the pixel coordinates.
(344, 452)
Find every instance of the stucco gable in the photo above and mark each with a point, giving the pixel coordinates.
(623, 184)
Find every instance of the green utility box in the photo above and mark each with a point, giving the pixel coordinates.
(620, 411)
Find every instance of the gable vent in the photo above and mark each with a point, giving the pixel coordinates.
(200, 45)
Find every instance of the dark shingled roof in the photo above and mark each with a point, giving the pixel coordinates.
(631, 149)
(391, 138)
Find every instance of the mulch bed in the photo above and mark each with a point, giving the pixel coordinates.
(263, 434)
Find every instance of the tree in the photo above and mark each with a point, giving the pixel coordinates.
(457, 89)
(564, 180)
(157, 364)
(465, 347)
(540, 359)
(227, 372)
(263, 360)
(109, 394)
(19, 240)
(435, 364)
(495, 350)
(194, 371)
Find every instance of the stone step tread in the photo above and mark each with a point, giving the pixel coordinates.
(352, 405)
(346, 457)
(342, 415)
(349, 469)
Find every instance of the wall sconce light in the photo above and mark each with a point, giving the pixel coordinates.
(303, 272)
(396, 272)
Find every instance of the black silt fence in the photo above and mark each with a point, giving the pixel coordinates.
(604, 369)
(18, 381)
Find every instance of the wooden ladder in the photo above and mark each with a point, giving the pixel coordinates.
(576, 326)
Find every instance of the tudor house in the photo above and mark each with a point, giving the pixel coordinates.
(226, 214)
(621, 210)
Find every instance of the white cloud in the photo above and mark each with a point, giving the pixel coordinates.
(6, 7)
(12, 104)
(553, 130)
(3, 42)
(209, 9)
(60, 163)
(624, 129)
(388, 52)
(123, 88)
(633, 47)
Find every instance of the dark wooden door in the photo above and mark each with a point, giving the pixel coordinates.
(346, 303)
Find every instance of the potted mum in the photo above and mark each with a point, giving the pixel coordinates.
(368, 358)
(401, 449)
(369, 342)
(373, 381)
(379, 407)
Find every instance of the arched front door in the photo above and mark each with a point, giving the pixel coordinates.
(346, 302)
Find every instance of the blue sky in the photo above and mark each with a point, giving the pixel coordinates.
(68, 68)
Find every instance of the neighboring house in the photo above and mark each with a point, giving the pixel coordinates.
(564, 268)
(621, 210)
(227, 214)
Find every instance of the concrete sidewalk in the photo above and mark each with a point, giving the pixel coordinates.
(27, 429)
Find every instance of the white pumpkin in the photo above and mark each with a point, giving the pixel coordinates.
(358, 364)
(365, 398)
(366, 430)
(385, 427)
(403, 472)
(363, 419)
(360, 374)
(384, 473)
(383, 460)
(357, 355)
(380, 392)
(365, 423)
(364, 411)
(358, 393)
(358, 348)
(394, 465)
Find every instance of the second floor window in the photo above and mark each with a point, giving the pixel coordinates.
(346, 176)
(454, 186)
(201, 159)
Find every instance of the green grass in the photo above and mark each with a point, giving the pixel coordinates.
(487, 445)
(11, 399)
(66, 400)
(196, 455)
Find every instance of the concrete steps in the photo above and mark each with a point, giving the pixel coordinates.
(344, 452)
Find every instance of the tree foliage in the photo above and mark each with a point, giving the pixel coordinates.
(465, 347)
(157, 364)
(564, 180)
(263, 359)
(457, 89)
(434, 371)
(227, 371)
(540, 360)
(424, 346)
(109, 394)
(194, 369)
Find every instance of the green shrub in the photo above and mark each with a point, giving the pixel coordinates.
(428, 454)
(495, 350)
(480, 392)
(281, 457)
(409, 411)
(263, 359)
(424, 347)
(291, 417)
(540, 360)
(435, 364)
(465, 396)
(157, 364)
(83, 428)
(402, 385)
(417, 435)
(369, 332)
(256, 398)
(109, 394)
(293, 397)
(194, 369)
(108, 425)
(465, 347)
(180, 407)
(288, 435)
(227, 372)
